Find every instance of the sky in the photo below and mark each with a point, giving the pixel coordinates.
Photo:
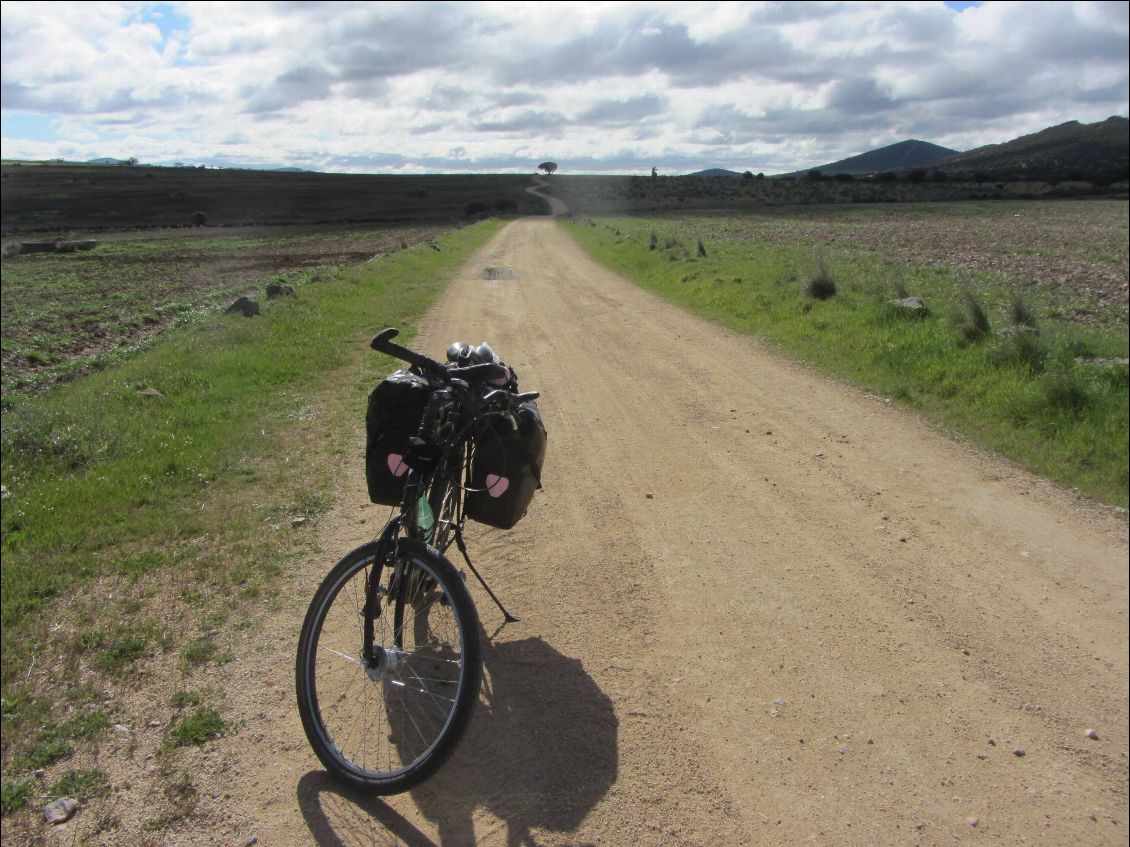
(598, 87)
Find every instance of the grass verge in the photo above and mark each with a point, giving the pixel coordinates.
(148, 507)
(1048, 396)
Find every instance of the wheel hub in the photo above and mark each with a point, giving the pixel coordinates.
(385, 661)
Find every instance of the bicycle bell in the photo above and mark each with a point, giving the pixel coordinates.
(459, 352)
(484, 353)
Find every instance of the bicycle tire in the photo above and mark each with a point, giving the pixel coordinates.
(444, 496)
(385, 730)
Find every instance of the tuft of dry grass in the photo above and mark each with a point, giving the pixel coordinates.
(820, 285)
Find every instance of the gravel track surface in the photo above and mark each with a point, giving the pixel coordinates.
(758, 607)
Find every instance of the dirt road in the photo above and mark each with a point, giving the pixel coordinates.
(758, 608)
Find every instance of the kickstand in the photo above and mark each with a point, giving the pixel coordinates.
(463, 549)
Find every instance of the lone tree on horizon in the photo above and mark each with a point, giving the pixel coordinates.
(548, 167)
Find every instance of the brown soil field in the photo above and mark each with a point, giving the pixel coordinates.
(1074, 251)
(63, 311)
(625, 195)
(60, 198)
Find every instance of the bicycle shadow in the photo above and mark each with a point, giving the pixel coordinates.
(338, 816)
(539, 753)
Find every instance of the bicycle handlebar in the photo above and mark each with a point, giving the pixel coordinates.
(515, 399)
(382, 343)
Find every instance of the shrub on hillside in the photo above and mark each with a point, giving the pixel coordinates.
(975, 323)
(1067, 390)
(1021, 314)
(1021, 346)
(821, 285)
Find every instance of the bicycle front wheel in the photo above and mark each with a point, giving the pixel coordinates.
(444, 497)
(385, 725)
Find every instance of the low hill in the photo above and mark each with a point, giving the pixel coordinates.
(717, 172)
(903, 155)
(1098, 152)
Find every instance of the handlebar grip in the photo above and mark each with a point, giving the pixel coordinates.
(383, 337)
(382, 343)
(481, 372)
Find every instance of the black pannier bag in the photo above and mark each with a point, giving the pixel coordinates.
(396, 407)
(506, 468)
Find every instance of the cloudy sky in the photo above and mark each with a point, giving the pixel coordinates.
(597, 87)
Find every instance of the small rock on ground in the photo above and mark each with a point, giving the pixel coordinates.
(276, 289)
(910, 305)
(60, 811)
(244, 306)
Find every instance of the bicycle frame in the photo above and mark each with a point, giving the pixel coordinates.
(447, 479)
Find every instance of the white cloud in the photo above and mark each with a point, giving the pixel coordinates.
(596, 86)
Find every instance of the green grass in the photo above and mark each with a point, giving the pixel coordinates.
(117, 646)
(15, 794)
(199, 651)
(183, 699)
(52, 743)
(199, 483)
(203, 724)
(1023, 394)
(82, 785)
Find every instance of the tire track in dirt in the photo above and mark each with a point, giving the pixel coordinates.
(758, 607)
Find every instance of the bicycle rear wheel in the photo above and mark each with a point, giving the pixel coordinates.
(385, 726)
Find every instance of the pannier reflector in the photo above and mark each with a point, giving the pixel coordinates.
(396, 464)
(496, 485)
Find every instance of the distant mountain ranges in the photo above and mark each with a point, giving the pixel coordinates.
(1098, 152)
(1070, 152)
(895, 157)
